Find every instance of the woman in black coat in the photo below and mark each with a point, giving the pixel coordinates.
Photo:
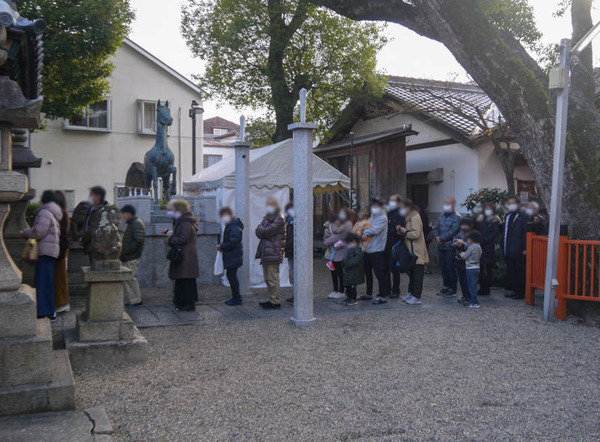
(489, 225)
(185, 271)
(233, 252)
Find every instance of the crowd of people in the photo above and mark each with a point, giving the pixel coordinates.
(391, 239)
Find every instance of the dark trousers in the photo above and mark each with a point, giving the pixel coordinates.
(185, 293)
(337, 276)
(375, 263)
(461, 273)
(486, 276)
(351, 292)
(392, 273)
(515, 273)
(233, 283)
(446, 260)
(44, 286)
(415, 280)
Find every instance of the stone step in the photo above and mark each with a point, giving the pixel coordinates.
(18, 313)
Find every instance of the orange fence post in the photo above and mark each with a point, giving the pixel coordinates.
(561, 276)
(529, 258)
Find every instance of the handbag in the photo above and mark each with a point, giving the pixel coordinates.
(175, 254)
(405, 260)
(31, 252)
(219, 267)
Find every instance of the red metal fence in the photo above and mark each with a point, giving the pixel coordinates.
(578, 272)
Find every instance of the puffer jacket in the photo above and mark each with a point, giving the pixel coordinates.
(354, 273)
(231, 246)
(185, 232)
(394, 220)
(415, 238)
(333, 234)
(271, 232)
(289, 237)
(490, 230)
(446, 228)
(46, 229)
(133, 240)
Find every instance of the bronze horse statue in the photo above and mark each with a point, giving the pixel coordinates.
(159, 161)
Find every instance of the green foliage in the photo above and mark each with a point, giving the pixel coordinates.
(81, 38)
(514, 17)
(260, 53)
(485, 195)
(260, 131)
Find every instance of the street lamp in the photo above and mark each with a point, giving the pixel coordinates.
(351, 170)
(196, 109)
(560, 80)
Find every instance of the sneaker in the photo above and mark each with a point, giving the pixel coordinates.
(365, 298)
(269, 306)
(233, 302)
(137, 304)
(348, 302)
(290, 300)
(394, 295)
(443, 291)
(476, 305)
(379, 300)
(63, 308)
(330, 265)
(463, 300)
(407, 297)
(413, 301)
(337, 295)
(52, 318)
(450, 294)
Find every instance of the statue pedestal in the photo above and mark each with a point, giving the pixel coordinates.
(105, 334)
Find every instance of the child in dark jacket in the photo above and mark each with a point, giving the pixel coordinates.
(233, 252)
(353, 268)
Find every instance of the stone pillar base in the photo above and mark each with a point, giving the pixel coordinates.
(303, 322)
(55, 395)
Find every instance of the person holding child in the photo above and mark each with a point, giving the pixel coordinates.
(353, 268)
(361, 225)
(333, 239)
(471, 257)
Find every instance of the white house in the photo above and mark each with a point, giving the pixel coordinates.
(219, 134)
(98, 148)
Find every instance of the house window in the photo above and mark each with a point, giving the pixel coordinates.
(220, 131)
(95, 117)
(147, 117)
(209, 160)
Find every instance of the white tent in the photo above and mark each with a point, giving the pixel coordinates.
(271, 173)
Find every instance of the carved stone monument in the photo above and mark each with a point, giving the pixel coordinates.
(33, 377)
(105, 334)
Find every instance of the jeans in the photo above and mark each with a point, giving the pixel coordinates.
(485, 278)
(392, 273)
(44, 286)
(351, 292)
(515, 273)
(234, 283)
(415, 280)
(461, 272)
(446, 261)
(337, 277)
(472, 276)
(375, 262)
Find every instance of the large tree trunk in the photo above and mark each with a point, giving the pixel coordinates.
(515, 82)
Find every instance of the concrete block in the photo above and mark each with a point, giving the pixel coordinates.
(26, 360)
(18, 313)
(94, 331)
(57, 394)
(119, 274)
(100, 419)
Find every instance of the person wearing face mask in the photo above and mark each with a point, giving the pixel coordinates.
(488, 224)
(186, 271)
(96, 200)
(233, 252)
(290, 215)
(333, 239)
(396, 219)
(540, 226)
(270, 251)
(515, 246)
(460, 245)
(374, 257)
(131, 254)
(446, 228)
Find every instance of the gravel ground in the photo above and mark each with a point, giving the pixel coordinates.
(433, 372)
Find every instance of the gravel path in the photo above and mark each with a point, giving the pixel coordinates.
(441, 372)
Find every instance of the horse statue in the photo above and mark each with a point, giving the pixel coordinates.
(159, 161)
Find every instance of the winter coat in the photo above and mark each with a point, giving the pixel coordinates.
(415, 238)
(92, 220)
(354, 273)
(184, 235)
(394, 220)
(446, 227)
(65, 235)
(133, 240)
(231, 246)
(289, 236)
(515, 237)
(271, 232)
(489, 228)
(333, 234)
(46, 229)
(378, 231)
(472, 256)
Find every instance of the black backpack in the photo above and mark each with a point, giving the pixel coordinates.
(404, 260)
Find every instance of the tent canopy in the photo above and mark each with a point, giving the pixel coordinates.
(270, 167)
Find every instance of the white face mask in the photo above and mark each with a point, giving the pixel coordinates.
(271, 210)
(529, 212)
(177, 215)
(342, 216)
(170, 214)
(489, 212)
(403, 212)
(513, 207)
(90, 200)
(376, 210)
(447, 208)
(226, 219)
(392, 205)
(291, 213)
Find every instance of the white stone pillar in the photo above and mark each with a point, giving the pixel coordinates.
(242, 208)
(303, 222)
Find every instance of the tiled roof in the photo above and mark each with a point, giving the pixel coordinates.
(452, 104)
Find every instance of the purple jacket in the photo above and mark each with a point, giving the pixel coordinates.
(46, 229)
(331, 237)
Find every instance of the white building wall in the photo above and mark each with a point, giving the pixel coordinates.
(76, 159)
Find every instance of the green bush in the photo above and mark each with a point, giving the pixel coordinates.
(486, 195)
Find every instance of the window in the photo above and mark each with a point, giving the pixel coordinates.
(95, 117)
(147, 117)
(209, 160)
(220, 131)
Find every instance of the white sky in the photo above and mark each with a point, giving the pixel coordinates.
(157, 29)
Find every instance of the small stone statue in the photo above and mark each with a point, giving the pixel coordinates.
(78, 220)
(106, 241)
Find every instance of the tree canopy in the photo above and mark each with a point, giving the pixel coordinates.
(260, 53)
(80, 40)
